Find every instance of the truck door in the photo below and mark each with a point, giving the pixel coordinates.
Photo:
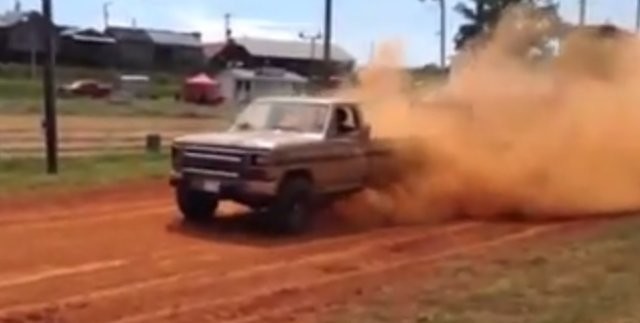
(350, 166)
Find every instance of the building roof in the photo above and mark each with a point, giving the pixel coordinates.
(213, 49)
(86, 35)
(329, 100)
(11, 18)
(172, 38)
(266, 75)
(128, 34)
(291, 49)
(155, 36)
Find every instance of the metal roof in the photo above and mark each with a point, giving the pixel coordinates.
(171, 38)
(291, 49)
(307, 99)
(87, 35)
(11, 18)
(128, 34)
(247, 74)
(157, 37)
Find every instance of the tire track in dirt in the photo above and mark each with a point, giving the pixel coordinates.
(41, 202)
(128, 261)
(247, 304)
(75, 214)
(267, 261)
(269, 276)
(59, 272)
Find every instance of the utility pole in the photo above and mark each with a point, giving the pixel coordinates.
(48, 81)
(583, 12)
(328, 22)
(227, 27)
(443, 34)
(105, 13)
(312, 39)
(443, 31)
(638, 16)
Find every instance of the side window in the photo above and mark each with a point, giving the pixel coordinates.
(352, 115)
(345, 120)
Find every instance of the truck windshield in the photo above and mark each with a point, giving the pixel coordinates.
(284, 116)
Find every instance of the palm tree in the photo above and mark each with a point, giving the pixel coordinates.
(483, 16)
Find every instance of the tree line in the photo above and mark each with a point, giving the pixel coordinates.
(481, 16)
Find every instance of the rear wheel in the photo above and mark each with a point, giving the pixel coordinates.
(291, 211)
(196, 206)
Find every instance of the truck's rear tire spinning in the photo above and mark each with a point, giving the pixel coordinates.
(196, 206)
(292, 209)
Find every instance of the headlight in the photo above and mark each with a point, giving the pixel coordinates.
(261, 160)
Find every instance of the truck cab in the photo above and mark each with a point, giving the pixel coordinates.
(280, 154)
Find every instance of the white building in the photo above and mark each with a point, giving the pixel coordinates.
(240, 85)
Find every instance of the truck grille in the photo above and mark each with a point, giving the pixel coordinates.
(214, 161)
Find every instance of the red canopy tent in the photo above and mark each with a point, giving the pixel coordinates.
(201, 89)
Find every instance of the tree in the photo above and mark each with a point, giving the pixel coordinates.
(483, 15)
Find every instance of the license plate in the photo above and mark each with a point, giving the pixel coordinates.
(210, 186)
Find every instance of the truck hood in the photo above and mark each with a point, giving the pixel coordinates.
(250, 139)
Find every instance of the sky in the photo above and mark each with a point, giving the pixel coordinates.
(358, 24)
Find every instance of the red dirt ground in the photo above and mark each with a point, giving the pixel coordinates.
(121, 255)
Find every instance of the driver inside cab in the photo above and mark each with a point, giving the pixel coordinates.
(342, 123)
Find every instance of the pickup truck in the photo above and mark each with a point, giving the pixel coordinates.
(281, 155)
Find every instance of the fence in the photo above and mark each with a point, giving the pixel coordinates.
(24, 143)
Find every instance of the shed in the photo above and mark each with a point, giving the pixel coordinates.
(302, 57)
(176, 50)
(201, 89)
(135, 48)
(240, 85)
(133, 86)
(86, 47)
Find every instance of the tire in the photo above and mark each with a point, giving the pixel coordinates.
(196, 206)
(291, 212)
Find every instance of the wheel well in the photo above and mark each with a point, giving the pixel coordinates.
(297, 173)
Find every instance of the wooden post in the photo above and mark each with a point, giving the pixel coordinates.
(153, 143)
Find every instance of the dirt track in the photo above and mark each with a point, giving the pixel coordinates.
(124, 257)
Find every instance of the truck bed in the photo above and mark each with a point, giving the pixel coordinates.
(391, 160)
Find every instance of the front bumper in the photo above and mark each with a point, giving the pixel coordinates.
(228, 188)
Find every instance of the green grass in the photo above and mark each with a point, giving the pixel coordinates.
(19, 175)
(139, 108)
(592, 280)
(20, 88)
(32, 89)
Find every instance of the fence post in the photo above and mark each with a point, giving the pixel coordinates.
(153, 143)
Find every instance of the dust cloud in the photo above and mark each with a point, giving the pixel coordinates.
(510, 133)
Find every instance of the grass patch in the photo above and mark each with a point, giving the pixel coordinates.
(588, 281)
(32, 89)
(18, 175)
(138, 108)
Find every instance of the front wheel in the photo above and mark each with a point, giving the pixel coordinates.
(291, 212)
(196, 206)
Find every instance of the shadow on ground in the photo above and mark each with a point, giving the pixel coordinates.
(244, 228)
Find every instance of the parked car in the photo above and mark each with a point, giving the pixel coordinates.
(86, 88)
